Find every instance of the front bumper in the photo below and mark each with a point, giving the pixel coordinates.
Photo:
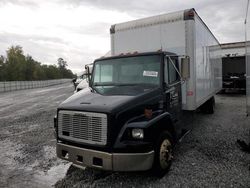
(104, 160)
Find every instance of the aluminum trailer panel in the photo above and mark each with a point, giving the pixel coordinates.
(178, 33)
(208, 63)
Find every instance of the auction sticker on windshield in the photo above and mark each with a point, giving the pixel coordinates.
(150, 73)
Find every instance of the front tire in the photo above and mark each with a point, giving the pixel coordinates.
(163, 154)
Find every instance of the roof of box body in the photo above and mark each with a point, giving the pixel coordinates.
(187, 14)
(154, 20)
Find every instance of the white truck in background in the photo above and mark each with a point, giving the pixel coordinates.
(84, 82)
(134, 110)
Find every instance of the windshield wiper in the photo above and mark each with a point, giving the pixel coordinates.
(126, 84)
(103, 84)
(93, 90)
(115, 84)
(123, 84)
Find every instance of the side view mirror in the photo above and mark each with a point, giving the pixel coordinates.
(185, 68)
(88, 74)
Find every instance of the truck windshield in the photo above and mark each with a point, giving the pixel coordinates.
(127, 75)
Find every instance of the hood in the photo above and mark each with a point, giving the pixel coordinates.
(86, 100)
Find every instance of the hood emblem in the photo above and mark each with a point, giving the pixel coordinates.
(85, 103)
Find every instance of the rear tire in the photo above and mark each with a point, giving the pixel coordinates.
(163, 154)
(208, 107)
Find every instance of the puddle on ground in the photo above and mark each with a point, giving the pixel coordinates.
(54, 174)
(16, 174)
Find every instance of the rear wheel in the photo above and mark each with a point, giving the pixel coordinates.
(208, 107)
(163, 154)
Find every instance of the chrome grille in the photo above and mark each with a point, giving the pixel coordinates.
(83, 127)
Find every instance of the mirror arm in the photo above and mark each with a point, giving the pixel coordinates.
(88, 74)
(174, 66)
(165, 85)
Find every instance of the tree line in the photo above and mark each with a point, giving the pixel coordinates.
(17, 67)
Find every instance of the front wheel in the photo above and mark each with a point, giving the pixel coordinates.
(163, 154)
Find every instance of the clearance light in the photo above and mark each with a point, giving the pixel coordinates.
(191, 14)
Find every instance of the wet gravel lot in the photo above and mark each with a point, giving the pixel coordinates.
(207, 157)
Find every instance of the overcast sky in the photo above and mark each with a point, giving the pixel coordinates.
(78, 30)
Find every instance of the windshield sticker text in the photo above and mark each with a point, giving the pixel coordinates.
(150, 73)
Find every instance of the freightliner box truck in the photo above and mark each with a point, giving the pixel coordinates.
(131, 115)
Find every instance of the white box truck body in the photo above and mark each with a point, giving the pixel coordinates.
(182, 33)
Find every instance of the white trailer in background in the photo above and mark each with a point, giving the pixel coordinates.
(185, 34)
(234, 67)
(84, 83)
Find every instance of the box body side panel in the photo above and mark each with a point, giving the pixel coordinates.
(208, 63)
(166, 37)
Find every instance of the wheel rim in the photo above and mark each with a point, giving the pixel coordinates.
(165, 154)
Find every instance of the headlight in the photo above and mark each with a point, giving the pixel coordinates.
(137, 133)
(55, 126)
(55, 121)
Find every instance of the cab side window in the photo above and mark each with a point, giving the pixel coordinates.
(170, 72)
(173, 75)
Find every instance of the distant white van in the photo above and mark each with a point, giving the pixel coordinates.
(82, 81)
(83, 84)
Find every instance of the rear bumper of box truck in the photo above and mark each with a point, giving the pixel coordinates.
(104, 160)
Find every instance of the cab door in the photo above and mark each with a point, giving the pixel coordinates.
(172, 87)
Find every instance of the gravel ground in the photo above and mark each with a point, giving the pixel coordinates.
(27, 143)
(207, 157)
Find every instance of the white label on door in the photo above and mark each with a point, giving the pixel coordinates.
(150, 73)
